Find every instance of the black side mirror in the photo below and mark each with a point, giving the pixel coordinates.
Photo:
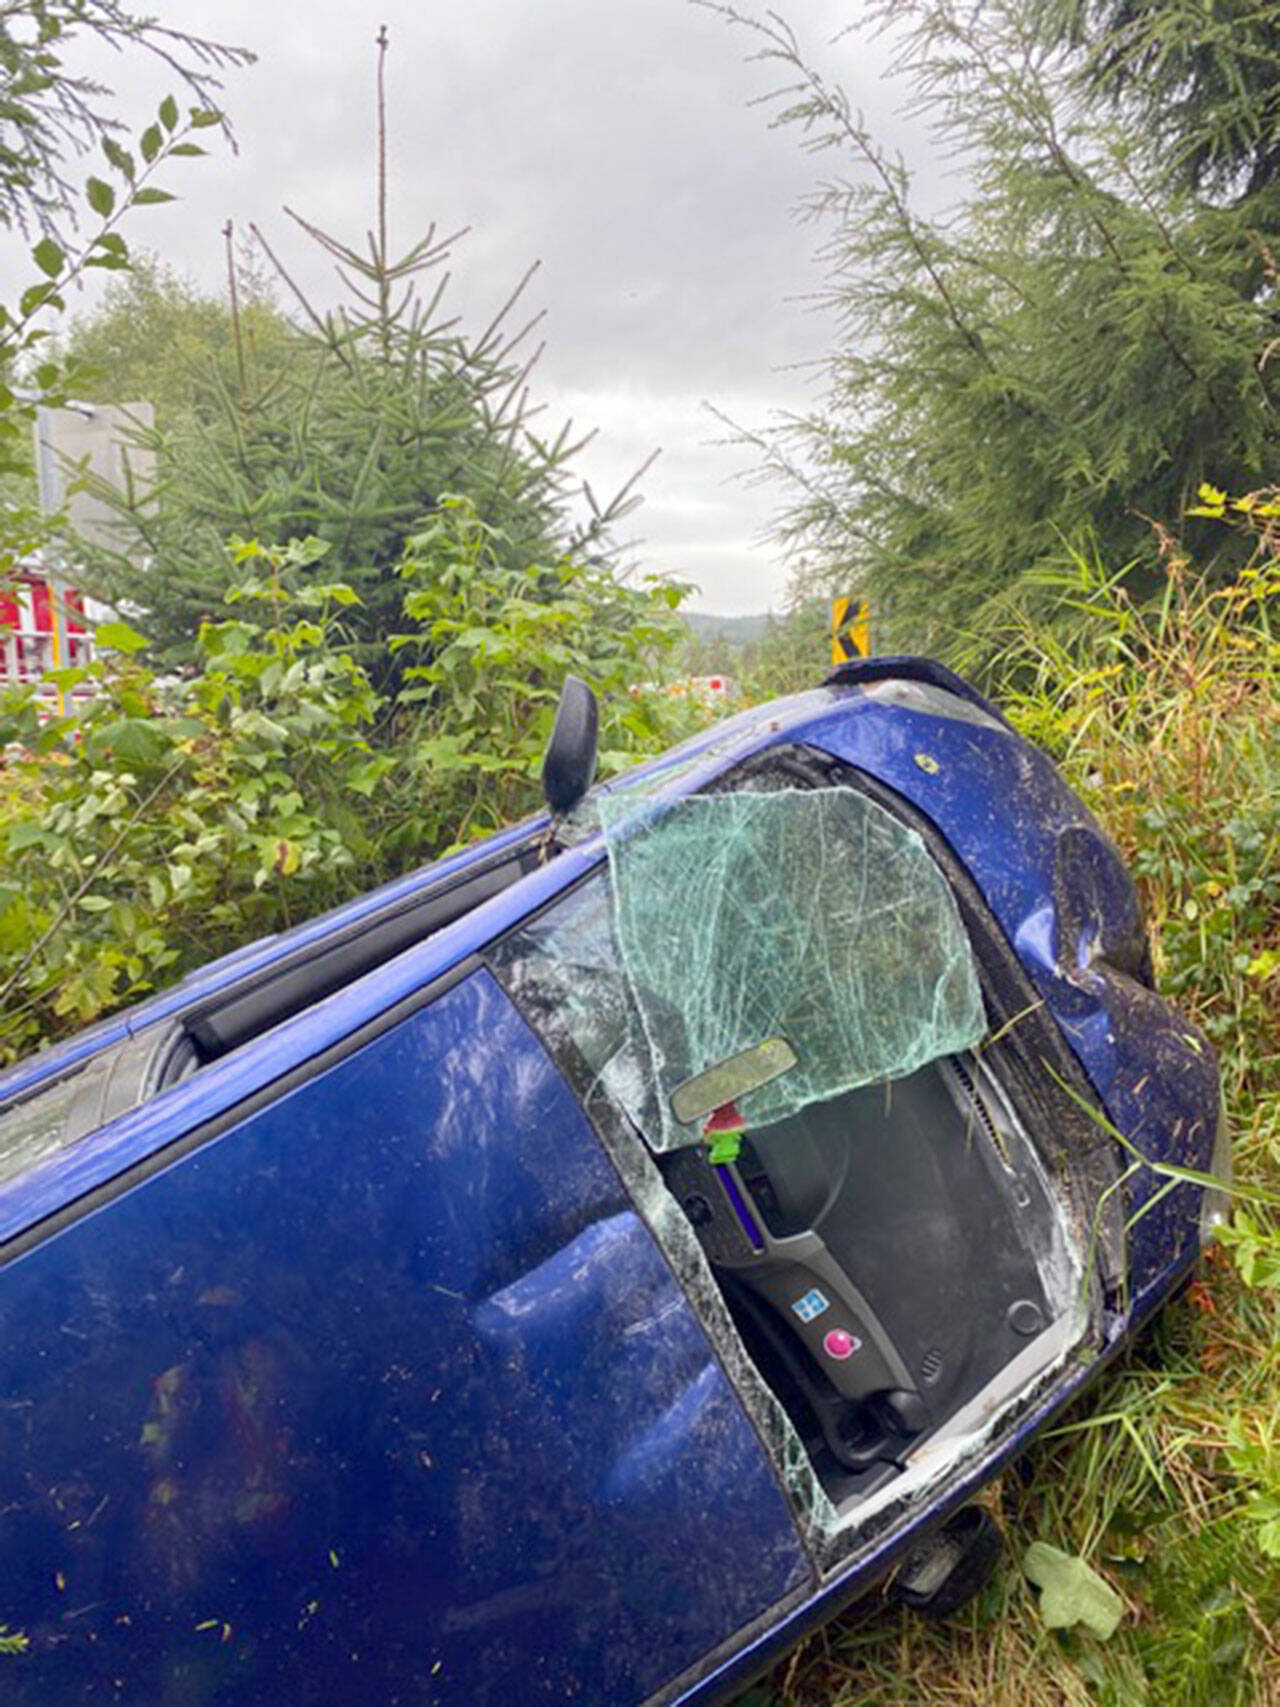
(570, 765)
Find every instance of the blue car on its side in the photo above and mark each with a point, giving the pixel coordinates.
(573, 1271)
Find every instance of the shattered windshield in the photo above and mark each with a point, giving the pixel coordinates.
(802, 942)
(753, 953)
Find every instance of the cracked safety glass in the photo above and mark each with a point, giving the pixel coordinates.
(802, 930)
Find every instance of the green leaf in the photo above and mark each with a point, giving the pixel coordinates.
(135, 740)
(169, 112)
(150, 197)
(119, 637)
(334, 592)
(102, 198)
(1072, 1592)
(48, 256)
(94, 904)
(151, 142)
(66, 679)
(119, 157)
(25, 834)
(38, 296)
(187, 149)
(203, 118)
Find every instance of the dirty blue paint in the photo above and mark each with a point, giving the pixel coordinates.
(1023, 836)
(385, 1395)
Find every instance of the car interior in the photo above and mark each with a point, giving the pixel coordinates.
(882, 1256)
(893, 1255)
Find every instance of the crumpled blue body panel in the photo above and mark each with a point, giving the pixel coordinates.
(384, 1395)
(1066, 905)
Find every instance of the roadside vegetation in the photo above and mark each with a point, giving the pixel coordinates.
(1048, 451)
(366, 578)
(1059, 354)
(1166, 1478)
(164, 820)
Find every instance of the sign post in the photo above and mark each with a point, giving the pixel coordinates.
(850, 630)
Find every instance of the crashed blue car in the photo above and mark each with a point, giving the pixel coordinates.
(574, 1271)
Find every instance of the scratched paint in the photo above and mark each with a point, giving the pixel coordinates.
(386, 1395)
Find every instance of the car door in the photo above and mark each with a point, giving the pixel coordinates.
(373, 1387)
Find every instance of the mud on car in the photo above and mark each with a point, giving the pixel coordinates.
(572, 1271)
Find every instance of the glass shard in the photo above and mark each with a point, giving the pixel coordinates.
(810, 915)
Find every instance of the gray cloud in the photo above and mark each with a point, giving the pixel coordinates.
(612, 139)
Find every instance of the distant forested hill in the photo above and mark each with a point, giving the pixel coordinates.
(732, 631)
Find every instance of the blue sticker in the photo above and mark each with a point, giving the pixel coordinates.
(812, 1304)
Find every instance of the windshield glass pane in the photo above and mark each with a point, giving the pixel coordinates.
(795, 944)
(805, 915)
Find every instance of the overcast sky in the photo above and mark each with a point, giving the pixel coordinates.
(614, 141)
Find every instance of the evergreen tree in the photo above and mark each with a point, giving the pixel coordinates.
(1064, 355)
(381, 409)
(1203, 82)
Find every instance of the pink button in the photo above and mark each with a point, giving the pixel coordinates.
(839, 1344)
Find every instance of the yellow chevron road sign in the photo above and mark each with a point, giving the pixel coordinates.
(850, 630)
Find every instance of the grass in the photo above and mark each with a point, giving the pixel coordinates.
(1167, 1477)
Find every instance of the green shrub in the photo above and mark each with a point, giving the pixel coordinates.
(163, 822)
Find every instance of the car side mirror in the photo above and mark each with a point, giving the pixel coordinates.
(570, 764)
